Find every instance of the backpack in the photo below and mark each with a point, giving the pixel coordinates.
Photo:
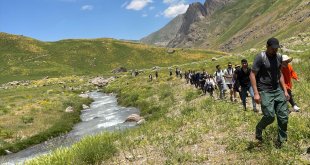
(219, 79)
(264, 57)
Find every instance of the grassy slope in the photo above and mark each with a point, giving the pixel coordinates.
(32, 114)
(184, 127)
(234, 19)
(26, 58)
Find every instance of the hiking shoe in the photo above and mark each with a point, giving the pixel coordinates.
(258, 135)
(296, 108)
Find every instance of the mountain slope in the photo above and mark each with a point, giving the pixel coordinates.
(164, 35)
(233, 25)
(178, 26)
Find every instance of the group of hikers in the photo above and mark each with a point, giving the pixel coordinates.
(269, 83)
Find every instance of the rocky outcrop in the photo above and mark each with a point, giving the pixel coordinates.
(195, 12)
(100, 81)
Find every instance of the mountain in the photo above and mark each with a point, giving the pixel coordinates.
(232, 25)
(176, 26)
(166, 34)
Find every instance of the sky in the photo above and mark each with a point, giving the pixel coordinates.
(53, 20)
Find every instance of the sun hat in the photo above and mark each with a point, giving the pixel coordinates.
(286, 58)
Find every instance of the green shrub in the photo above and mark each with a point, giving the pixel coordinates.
(27, 119)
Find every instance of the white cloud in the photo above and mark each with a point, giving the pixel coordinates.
(138, 4)
(87, 7)
(174, 10)
(144, 15)
(173, 1)
(151, 8)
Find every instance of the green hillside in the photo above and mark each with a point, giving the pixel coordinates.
(26, 58)
(246, 24)
(239, 25)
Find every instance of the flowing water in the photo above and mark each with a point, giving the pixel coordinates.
(103, 115)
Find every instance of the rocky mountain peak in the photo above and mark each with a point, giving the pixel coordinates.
(196, 11)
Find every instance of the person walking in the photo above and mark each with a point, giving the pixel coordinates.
(220, 81)
(288, 74)
(242, 76)
(228, 74)
(267, 79)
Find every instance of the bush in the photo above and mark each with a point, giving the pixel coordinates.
(27, 119)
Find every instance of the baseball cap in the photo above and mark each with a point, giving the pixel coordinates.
(273, 42)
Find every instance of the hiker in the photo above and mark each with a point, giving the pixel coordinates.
(288, 74)
(220, 81)
(150, 77)
(228, 75)
(236, 84)
(170, 72)
(266, 79)
(177, 72)
(156, 75)
(242, 76)
(180, 73)
(209, 85)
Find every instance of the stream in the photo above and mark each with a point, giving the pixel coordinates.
(103, 115)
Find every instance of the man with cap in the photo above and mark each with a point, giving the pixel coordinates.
(269, 90)
(242, 77)
(288, 74)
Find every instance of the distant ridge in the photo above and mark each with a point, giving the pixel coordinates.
(232, 25)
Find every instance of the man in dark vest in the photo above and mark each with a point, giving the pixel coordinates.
(269, 90)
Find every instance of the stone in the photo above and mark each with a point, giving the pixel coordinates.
(69, 109)
(85, 106)
(83, 95)
(133, 118)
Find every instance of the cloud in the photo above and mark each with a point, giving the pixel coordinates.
(138, 4)
(173, 1)
(174, 10)
(87, 7)
(144, 15)
(151, 8)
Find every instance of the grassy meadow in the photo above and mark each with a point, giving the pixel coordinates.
(183, 126)
(33, 111)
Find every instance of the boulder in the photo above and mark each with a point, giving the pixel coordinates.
(83, 95)
(214, 59)
(85, 106)
(133, 118)
(170, 51)
(155, 68)
(8, 152)
(69, 109)
(100, 81)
